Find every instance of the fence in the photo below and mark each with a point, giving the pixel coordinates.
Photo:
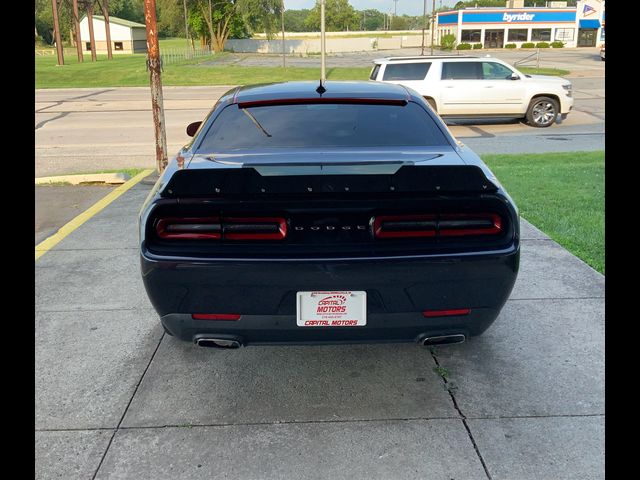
(176, 55)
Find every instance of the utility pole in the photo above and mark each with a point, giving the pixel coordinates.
(105, 13)
(323, 76)
(56, 29)
(92, 38)
(76, 21)
(433, 23)
(284, 59)
(424, 25)
(157, 105)
(395, 7)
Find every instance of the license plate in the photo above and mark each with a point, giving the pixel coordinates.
(331, 309)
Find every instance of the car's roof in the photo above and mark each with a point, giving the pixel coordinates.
(333, 89)
(430, 58)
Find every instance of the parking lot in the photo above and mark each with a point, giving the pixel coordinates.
(118, 398)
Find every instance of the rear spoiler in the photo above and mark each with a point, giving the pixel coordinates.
(248, 181)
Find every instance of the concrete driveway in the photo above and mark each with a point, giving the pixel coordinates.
(118, 398)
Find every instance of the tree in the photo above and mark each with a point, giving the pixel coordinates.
(373, 19)
(170, 18)
(339, 16)
(222, 17)
(294, 20)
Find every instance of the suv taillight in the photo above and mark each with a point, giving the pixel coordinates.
(443, 225)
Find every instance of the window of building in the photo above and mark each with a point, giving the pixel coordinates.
(541, 35)
(406, 71)
(470, 36)
(565, 34)
(517, 35)
(462, 71)
(495, 71)
(87, 46)
(118, 46)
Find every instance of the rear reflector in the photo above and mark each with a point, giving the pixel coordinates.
(225, 228)
(215, 316)
(445, 225)
(446, 313)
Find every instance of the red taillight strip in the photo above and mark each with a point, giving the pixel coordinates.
(215, 316)
(449, 232)
(380, 233)
(169, 228)
(279, 235)
(439, 221)
(446, 313)
(163, 223)
(299, 101)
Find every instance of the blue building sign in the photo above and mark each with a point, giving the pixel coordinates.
(527, 16)
(448, 19)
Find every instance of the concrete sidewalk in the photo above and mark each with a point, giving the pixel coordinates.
(117, 398)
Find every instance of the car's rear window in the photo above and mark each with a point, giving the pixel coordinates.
(374, 72)
(321, 125)
(406, 71)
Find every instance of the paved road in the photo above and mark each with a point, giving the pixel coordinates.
(116, 398)
(81, 130)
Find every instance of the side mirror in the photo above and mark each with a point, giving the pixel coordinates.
(514, 76)
(192, 128)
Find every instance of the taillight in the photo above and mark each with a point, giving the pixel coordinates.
(225, 228)
(189, 228)
(444, 225)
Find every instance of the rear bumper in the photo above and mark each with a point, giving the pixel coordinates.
(264, 294)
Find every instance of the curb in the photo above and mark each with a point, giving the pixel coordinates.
(110, 178)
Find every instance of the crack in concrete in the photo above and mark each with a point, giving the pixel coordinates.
(312, 422)
(127, 407)
(462, 416)
(57, 117)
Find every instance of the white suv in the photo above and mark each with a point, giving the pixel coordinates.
(463, 86)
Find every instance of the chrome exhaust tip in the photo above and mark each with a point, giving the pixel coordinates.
(443, 340)
(217, 342)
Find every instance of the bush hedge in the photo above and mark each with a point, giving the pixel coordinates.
(448, 42)
(528, 45)
(464, 46)
(477, 46)
(557, 44)
(542, 45)
(510, 45)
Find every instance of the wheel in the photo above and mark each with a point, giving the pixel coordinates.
(542, 112)
(432, 103)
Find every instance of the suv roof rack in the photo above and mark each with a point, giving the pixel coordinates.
(426, 57)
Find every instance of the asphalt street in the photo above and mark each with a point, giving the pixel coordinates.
(82, 130)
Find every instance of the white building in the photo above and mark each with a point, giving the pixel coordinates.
(126, 36)
(579, 26)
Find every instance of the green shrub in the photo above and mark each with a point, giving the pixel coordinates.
(510, 45)
(557, 44)
(528, 45)
(464, 46)
(542, 45)
(477, 46)
(448, 42)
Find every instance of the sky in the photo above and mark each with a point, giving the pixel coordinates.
(408, 7)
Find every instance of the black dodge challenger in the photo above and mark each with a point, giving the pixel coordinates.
(341, 212)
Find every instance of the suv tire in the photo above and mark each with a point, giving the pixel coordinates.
(542, 112)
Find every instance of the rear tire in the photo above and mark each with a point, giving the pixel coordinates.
(542, 112)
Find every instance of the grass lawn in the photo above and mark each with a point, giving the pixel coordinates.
(556, 72)
(130, 71)
(562, 194)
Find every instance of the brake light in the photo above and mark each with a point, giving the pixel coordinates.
(215, 316)
(446, 313)
(225, 228)
(189, 228)
(443, 225)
